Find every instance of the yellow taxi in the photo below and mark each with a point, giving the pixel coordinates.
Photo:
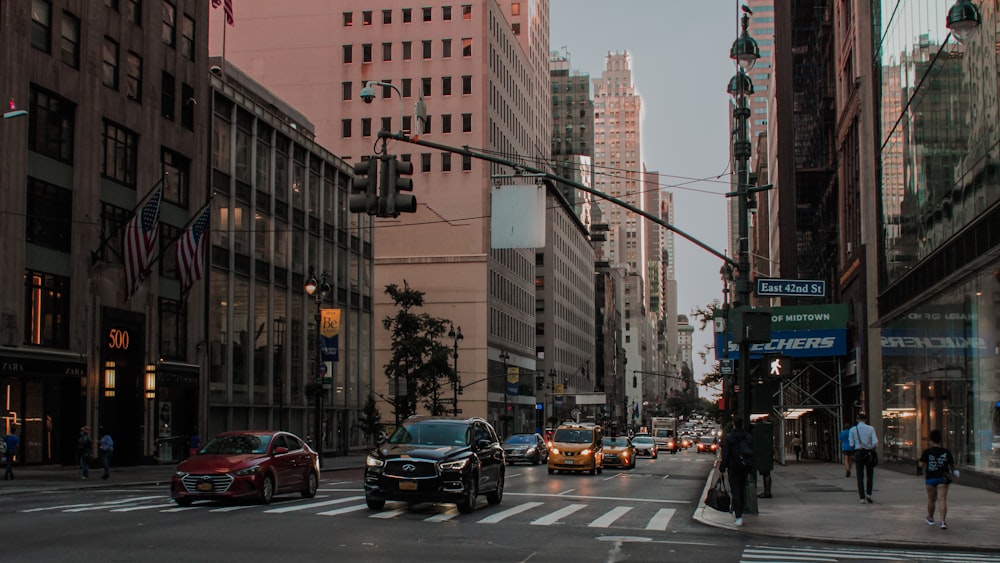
(577, 447)
(618, 452)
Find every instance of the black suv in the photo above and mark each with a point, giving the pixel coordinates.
(437, 459)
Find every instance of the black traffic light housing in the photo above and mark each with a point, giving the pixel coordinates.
(364, 198)
(390, 202)
(539, 383)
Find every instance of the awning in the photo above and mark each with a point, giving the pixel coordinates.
(20, 362)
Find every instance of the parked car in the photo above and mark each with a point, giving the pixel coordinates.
(707, 444)
(577, 447)
(644, 445)
(437, 459)
(619, 452)
(530, 447)
(247, 464)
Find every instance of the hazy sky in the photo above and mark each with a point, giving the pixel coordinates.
(680, 67)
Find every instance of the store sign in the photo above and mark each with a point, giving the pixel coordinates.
(11, 366)
(807, 331)
(330, 334)
(912, 342)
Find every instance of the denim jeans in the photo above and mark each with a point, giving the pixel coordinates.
(106, 462)
(85, 465)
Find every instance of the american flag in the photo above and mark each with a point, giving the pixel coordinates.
(191, 249)
(140, 241)
(227, 7)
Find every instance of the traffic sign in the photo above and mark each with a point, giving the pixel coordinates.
(775, 287)
(726, 366)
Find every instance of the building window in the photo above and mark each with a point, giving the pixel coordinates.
(446, 13)
(49, 215)
(516, 28)
(425, 86)
(466, 123)
(386, 17)
(50, 125)
(407, 15)
(366, 17)
(187, 38)
(466, 11)
(426, 125)
(426, 45)
(134, 11)
(446, 123)
(46, 314)
(515, 9)
(387, 124)
(466, 46)
(120, 147)
(109, 68)
(387, 52)
(348, 19)
(445, 85)
(425, 162)
(446, 48)
(176, 170)
(41, 25)
(167, 241)
(133, 76)
(187, 106)
(348, 54)
(427, 14)
(168, 30)
(407, 121)
(366, 53)
(407, 88)
(366, 127)
(466, 85)
(466, 162)
(407, 50)
(112, 220)
(345, 128)
(71, 40)
(346, 90)
(446, 162)
(173, 328)
(167, 95)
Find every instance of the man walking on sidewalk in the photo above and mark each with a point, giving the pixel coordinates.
(736, 447)
(864, 441)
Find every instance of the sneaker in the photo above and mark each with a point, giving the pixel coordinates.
(930, 521)
(944, 526)
(848, 474)
(869, 499)
(863, 501)
(739, 522)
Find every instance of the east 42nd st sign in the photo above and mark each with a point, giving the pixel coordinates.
(773, 287)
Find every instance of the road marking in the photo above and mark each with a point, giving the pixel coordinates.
(344, 510)
(448, 514)
(180, 509)
(231, 508)
(295, 507)
(102, 505)
(661, 519)
(587, 497)
(610, 518)
(141, 507)
(556, 516)
(567, 491)
(502, 515)
(386, 514)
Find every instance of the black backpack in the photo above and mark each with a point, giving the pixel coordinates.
(745, 451)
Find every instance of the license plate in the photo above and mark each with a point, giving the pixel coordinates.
(569, 462)
(205, 487)
(407, 485)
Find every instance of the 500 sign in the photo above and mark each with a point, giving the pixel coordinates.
(117, 339)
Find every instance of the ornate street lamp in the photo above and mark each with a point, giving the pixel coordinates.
(963, 18)
(745, 50)
(318, 290)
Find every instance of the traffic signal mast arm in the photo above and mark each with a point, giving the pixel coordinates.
(560, 179)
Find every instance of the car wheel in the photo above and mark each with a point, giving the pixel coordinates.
(551, 471)
(655, 455)
(468, 504)
(374, 504)
(183, 501)
(312, 483)
(496, 495)
(600, 470)
(267, 489)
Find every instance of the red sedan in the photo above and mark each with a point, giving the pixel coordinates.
(707, 444)
(248, 464)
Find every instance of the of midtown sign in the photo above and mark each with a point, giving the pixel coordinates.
(806, 331)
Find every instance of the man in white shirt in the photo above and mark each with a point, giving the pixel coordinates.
(864, 441)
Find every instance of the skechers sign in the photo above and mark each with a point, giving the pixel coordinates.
(799, 332)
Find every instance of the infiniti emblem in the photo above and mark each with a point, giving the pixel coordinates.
(409, 467)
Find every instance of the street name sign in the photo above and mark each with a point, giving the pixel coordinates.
(774, 287)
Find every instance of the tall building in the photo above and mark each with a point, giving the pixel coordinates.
(572, 129)
(116, 114)
(481, 70)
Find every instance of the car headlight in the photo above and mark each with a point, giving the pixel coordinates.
(531, 450)
(454, 465)
(180, 473)
(373, 461)
(585, 452)
(252, 470)
(555, 450)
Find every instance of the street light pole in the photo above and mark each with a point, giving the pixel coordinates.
(456, 337)
(504, 357)
(318, 290)
(552, 390)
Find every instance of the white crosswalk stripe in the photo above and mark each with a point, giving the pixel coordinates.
(662, 519)
(296, 507)
(503, 515)
(553, 517)
(758, 553)
(610, 517)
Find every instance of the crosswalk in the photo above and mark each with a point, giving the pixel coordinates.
(549, 510)
(830, 554)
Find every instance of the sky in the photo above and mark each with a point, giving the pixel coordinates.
(680, 67)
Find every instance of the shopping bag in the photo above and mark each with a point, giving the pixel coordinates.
(718, 497)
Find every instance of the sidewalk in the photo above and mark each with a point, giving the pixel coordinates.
(814, 500)
(35, 479)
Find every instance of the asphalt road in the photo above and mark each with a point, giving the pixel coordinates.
(621, 515)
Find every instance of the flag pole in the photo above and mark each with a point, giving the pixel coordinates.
(95, 255)
(224, 26)
(180, 233)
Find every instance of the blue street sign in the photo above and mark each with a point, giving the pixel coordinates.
(773, 287)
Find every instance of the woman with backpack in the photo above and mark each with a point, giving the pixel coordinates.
(737, 460)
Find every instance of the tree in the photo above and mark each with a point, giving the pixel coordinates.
(418, 360)
(370, 421)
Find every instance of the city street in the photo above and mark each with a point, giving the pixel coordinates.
(643, 514)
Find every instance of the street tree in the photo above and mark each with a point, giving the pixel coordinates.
(370, 421)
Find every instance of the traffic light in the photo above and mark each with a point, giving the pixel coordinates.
(391, 203)
(539, 383)
(365, 198)
(777, 366)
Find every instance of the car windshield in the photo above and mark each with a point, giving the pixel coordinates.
(431, 434)
(641, 440)
(616, 442)
(237, 444)
(520, 439)
(706, 439)
(572, 436)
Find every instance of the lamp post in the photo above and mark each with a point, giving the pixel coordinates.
(504, 357)
(456, 337)
(279, 366)
(318, 290)
(963, 17)
(552, 390)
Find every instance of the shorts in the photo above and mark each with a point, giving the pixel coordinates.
(935, 481)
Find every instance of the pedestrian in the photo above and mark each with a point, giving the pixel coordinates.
(864, 441)
(194, 444)
(826, 443)
(83, 449)
(939, 467)
(735, 448)
(107, 446)
(797, 446)
(846, 449)
(10, 442)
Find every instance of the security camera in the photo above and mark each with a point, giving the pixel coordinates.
(216, 69)
(368, 93)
